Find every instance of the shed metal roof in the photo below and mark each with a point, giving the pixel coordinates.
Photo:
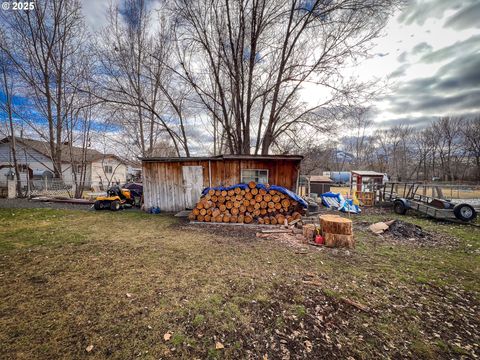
(366, 173)
(320, 178)
(222, 157)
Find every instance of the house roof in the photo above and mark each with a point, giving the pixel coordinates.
(367, 173)
(75, 155)
(223, 157)
(320, 178)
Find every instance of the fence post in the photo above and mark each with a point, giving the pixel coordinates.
(11, 189)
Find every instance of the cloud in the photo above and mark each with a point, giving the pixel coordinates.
(430, 102)
(454, 88)
(400, 71)
(418, 121)
(461, 73)
(402, 57)
(467, 17)
(95, 12)
(471, 45)
(422, 47)
(417, 12)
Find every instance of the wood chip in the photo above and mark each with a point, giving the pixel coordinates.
(378, 228)
(310, 282)
(276, 231)
(89, 348)
(167, 336)
(356, 304)
(308, 346)
(219, 345)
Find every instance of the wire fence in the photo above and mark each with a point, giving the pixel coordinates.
(53, 188)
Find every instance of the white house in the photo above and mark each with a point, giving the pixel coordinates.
(33, 157)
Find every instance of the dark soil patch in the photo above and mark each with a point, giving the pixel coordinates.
(232, 231)
(405, 232)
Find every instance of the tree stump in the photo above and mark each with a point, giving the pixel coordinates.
(337, 231)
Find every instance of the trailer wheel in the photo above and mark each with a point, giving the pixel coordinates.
(98, 205)
(464, 212)
(399, 207)
(115, 205)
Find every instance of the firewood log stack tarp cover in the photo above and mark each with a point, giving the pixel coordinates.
(249, 203)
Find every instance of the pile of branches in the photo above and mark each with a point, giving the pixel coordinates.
(247, 204)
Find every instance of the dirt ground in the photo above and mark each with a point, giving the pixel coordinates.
(29, 204)
(86, 284)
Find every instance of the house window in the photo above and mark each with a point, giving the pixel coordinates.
(78, 168)
(259, 176)
(108, 169)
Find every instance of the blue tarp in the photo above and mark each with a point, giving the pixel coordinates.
(281, 189)
(337, 201)
(226, 188)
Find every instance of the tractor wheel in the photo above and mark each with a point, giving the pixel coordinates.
(115, 205)
(399, 207)
(464, 212)
(98, 205)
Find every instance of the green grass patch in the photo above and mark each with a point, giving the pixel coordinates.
(119, 281)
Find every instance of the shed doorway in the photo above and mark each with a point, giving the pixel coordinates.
(193, 184)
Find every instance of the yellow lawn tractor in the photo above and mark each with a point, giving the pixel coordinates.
(117, 198)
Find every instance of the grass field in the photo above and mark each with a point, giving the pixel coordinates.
(130, 285)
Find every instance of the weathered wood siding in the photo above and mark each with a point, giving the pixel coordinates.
(163, 181)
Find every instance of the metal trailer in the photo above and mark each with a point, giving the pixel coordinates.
(434, 207)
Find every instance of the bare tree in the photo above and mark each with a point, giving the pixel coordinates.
(448, 135)
(6, 106)
(448, 149)
(78, 128)
(249, 62)
(360, 123)
(50, 36)
(471, 133)
(318, 158)
(135, 79)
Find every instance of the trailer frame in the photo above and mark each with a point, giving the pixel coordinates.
(437, 208)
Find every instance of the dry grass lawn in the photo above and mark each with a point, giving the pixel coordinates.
(122, 283)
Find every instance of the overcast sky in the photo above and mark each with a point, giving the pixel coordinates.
(428, 56)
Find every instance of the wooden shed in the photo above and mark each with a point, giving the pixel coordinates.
(175, 184)
(320, 184)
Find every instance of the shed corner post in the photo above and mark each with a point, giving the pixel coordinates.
(209, 173)
(298, 179)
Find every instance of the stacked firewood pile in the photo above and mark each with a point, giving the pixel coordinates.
(241, 204)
